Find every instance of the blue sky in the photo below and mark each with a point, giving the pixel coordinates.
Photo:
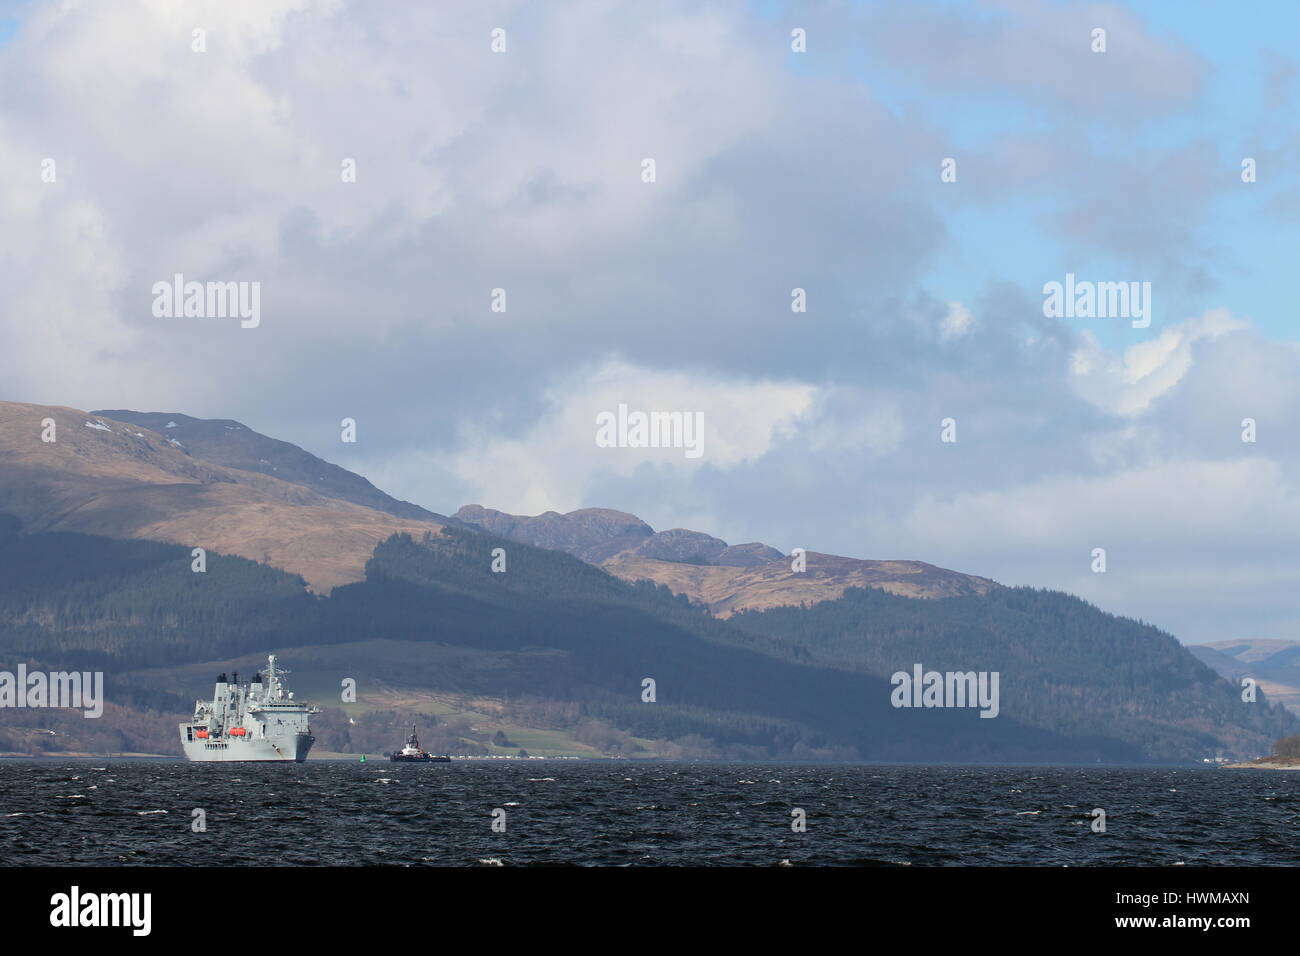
(1255, 250)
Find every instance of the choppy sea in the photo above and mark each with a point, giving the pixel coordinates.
(530, 812)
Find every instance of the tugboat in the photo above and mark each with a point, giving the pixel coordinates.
(412, 753)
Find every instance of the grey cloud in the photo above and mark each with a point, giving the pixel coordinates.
(1037, 51)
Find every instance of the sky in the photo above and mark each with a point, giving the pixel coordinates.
(128, 156)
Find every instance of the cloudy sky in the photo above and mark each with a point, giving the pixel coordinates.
(775, 170)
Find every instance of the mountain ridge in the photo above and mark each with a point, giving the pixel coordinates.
(233, 444)
(724, 578)
(751, 661)
(101, 476)
(1273, 663)
(218, 484)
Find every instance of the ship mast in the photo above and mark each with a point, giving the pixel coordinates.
(273, 689)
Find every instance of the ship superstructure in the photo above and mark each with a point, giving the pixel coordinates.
(251, 720)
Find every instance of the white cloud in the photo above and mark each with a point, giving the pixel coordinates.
(556, 462)
(1192, 500)
(474, 169)
(850, 420)
(1128, 383)
(956, 322)
(1200, 548)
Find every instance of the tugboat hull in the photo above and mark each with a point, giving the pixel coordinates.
(427, 758)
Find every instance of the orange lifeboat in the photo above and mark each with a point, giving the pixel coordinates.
(201, 734)
(238, 732)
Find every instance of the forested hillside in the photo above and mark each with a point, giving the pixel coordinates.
(566, 643)
(1065, 665)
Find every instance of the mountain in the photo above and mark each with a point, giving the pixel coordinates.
(555, 641)
(107, 477)
(598, 534)
(553, 654)
(1064, 664)
(235, 445)
(591, 534)
(723, 578)
(1274, 664)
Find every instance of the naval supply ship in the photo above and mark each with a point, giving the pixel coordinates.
(253, 720)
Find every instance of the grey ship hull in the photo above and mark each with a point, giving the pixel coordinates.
(250, 721)
(283, 749)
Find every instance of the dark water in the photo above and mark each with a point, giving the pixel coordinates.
(107, 813)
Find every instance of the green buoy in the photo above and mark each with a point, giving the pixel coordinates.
(363, 758)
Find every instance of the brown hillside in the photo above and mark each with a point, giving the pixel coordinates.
(726, 579)
(110, 478)
(725, 590)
